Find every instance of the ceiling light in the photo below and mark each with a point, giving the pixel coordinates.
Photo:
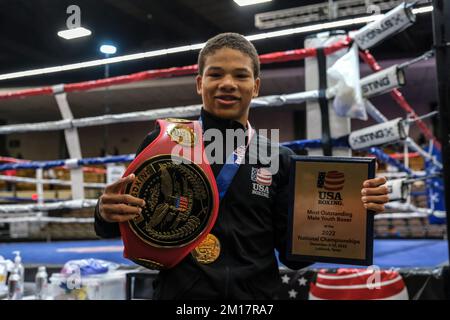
(249, 2)
(74, 33)
(108, 49)
(154, 53)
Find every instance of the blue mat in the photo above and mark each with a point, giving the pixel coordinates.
(387, 253)
(404, 254)
(58, 253)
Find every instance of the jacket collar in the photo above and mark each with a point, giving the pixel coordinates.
(211, 121)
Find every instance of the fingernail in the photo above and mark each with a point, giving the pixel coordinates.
(364, 191)
(365, 205)
(364, 199)
(140, 210)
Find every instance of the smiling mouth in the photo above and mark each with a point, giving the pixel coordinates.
(227, 99)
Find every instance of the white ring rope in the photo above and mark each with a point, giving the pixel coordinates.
(408, 207)
(414, 146)
(192, 110)
(187, 111)
(400, 174)
(57, 182)
(76, 204)
(47, 220)
(401, 215)
(69, 204)
(180, 111)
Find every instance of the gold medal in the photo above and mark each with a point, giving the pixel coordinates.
(208, 250)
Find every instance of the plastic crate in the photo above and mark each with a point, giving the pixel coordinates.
(107, 286)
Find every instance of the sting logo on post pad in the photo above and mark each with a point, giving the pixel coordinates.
(331, 182)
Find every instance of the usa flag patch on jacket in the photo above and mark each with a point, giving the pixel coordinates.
(262, 176)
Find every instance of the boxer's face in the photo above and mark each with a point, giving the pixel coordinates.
(227, 84)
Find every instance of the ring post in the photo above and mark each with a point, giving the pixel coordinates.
(441, 35)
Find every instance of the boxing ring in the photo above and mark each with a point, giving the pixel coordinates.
(406, 253)
(412, 260)
(422, 264)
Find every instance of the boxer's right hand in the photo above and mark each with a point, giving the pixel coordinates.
(117, 207)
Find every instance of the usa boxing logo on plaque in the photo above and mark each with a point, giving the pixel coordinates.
(180, 193)
(327, 219)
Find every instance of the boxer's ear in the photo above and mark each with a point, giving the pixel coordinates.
(199, 82)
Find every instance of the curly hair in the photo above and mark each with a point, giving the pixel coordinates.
(229, 40)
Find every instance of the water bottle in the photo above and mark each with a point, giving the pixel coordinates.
(15, 291)
(41, 282)
(20, 269)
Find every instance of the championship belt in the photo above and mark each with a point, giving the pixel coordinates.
(173, 176)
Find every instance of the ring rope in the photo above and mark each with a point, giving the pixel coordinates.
(274, 57)
(59, 163)
(56, 182)
(37, 219)
(70, 204)
(369, 59)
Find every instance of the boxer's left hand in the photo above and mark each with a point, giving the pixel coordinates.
(375, 194)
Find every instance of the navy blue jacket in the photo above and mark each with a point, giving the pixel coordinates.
(251, 224)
